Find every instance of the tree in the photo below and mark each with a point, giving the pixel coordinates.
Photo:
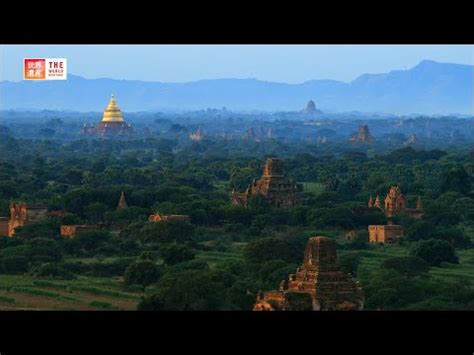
(14, 264)
(272, 248)
(274, 271)
(149, 255)
(190, 290)
(349, 263)
(435, 251)
(54, 270)
(420, 230)
(38, 230)
(20, 258)
(174, 253)
(341, 217)
(90, 241)
(455, 236)
(456, 179)
(142, 272)
(390, 290)
(167, 231)
(95, 212)
(407, 265)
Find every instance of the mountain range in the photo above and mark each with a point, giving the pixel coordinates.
(428, 88)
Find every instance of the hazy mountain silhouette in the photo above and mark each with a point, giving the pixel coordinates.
(429, 87)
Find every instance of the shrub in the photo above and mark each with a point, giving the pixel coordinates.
(114, 268)
(149, 255)
(188, 265)
(5, 299)
(53, 270)
(435, 251)
(349, 263)
(420, 230)
(167, 231)
(188, 290)
(142, 272)
(47, 230)
(175, 253)
(455, 236)
(103, 305)
(407, 265)
(89, 241)
(272, 248)
(15, 264)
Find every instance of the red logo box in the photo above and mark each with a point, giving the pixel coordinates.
(34, 69)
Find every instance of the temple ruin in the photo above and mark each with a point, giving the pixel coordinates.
(395, 202)
(386, 234)
(363, 135)
(272, 186)
(22, 214)
(168, 217)
(197, 136)
(318, 284)
(70, 231)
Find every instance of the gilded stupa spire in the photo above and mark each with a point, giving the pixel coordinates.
(112, 112)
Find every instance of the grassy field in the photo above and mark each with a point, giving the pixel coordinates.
(372, 259)
(313, 187)
(18, 292)
(214, 258)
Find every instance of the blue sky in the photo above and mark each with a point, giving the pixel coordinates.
(280, 63)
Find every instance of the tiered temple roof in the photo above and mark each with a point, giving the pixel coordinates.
(273, 186)
(395, 202)
(112, 124)
(320, 279)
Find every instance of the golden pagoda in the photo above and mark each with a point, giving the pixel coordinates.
(112, 112)
(112, 123)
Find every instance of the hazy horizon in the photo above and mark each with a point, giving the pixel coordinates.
(290, 64)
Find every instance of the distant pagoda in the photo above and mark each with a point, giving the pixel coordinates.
(197, 136)
(311, 108)
(112, 123)
(363, 135)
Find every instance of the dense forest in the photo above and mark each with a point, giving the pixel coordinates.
(226, 253)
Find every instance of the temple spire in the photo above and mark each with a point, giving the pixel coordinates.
(377, 202)
(419, 206)
(122, 202)
(112, 112)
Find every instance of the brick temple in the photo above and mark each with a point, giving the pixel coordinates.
(272, 186)
(22, 214)
(395, 202)
(69, 231)
(168, 217)
(363, 135)
(386, 234)
(318, 284)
